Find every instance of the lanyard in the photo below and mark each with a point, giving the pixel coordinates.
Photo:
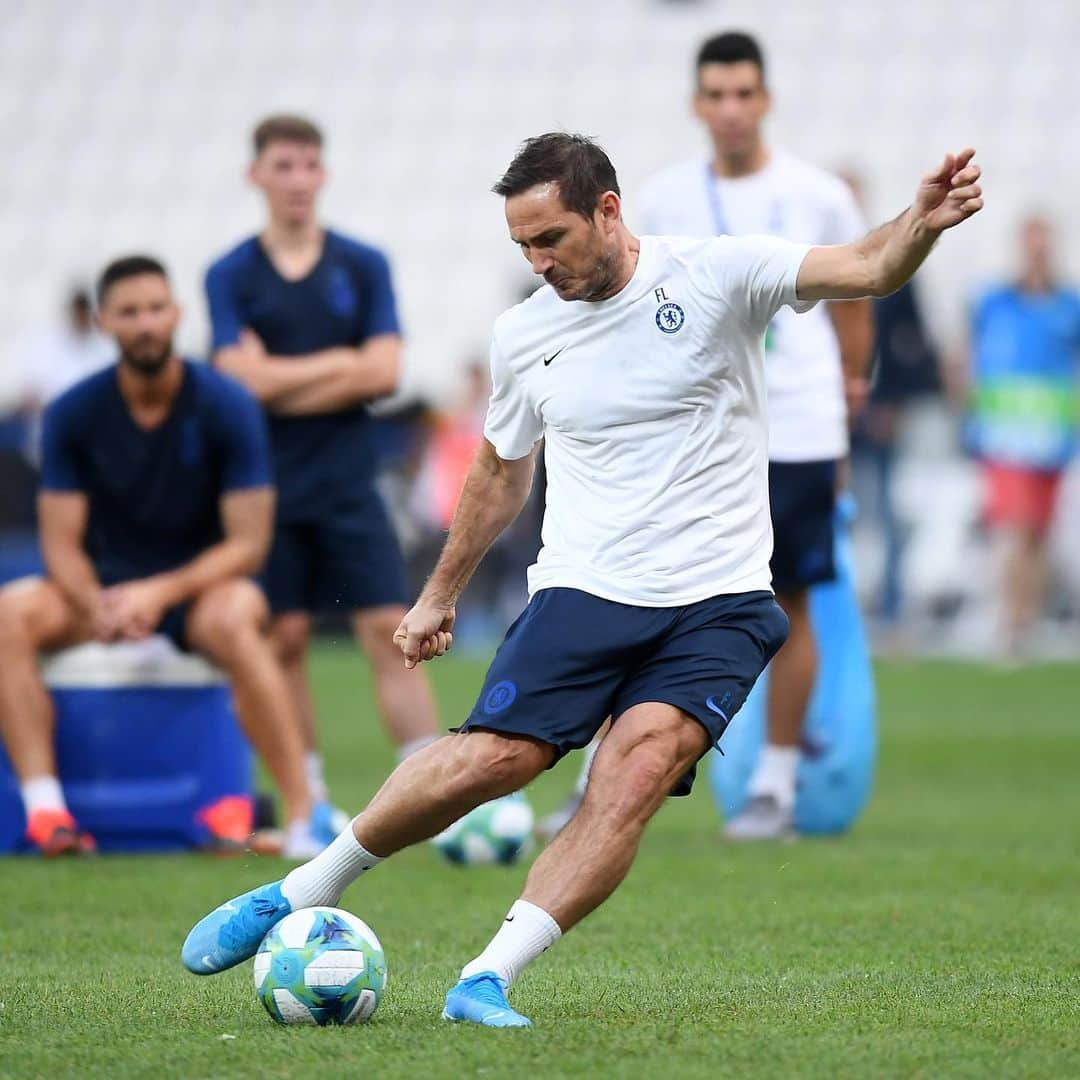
(716, 206)
(720, 228)
(716, 209)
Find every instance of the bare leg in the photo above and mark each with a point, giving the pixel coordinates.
(649, 748)
(227, 624)
(423, 795)
(34, 615)
(437, 785)
(794, 668)
(1024, 581)
(404, 697)
(647, 751)
(291, 634)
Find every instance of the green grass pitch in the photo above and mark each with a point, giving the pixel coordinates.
(940, 939)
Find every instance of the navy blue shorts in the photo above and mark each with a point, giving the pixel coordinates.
(348, 560)
(571, 660)
(174, 626)
(802, 499)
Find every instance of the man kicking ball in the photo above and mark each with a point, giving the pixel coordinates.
(640, 363)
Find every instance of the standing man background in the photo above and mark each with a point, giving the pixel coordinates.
(1025, 355)
(813, 362)
(305, 317)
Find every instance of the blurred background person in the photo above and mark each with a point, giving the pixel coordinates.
(44, 361)
(306, 318)
(1023, 401)
(905, 371)
(816, 368)
(55, 355)
(156, 505)
(495, 596)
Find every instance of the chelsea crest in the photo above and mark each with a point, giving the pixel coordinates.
(670, 317)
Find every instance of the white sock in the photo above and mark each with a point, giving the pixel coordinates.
(42, 793)
(526, 932)
(775, 774)
(407, 749)
(313, 766)
(586, 766)
(320, 882)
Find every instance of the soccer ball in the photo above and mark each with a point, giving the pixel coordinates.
(499, 831)
(320, 966)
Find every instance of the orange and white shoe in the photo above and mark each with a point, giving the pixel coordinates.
(56, 832)
(229, 822)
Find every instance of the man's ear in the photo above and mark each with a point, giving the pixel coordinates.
(609, 208)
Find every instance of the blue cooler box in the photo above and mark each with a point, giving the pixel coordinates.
(146, 738)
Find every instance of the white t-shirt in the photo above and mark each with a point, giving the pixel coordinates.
(652, 405)
(54, 358)
(800, 202)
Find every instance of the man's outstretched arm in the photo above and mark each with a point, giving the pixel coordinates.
(887, 257)
(494, 493)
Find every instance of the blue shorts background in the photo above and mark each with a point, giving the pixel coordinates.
(802, 501)
(346, 560)
(174, 625)
(572, 659)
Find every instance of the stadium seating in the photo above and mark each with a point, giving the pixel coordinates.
(146, 742)
(131, 124)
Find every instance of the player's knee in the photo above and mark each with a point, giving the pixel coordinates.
(16, 618)
(291, 635)
(375, 629)
(229, 614)
(652, 764)
(499, 762)
(641, 767)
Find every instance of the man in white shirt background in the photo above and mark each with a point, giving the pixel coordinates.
(640, 364)
(55, 355)
(813, 362)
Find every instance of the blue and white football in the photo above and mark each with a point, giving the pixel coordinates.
(499, 831)
(321, 966)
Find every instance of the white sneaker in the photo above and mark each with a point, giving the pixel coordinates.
(301, 842)
(762, 818)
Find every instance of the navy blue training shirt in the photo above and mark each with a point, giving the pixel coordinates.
(327, 459)
(154, 494)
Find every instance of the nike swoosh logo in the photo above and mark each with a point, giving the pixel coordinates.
(711, 705)
(509, 918)
(548, 359)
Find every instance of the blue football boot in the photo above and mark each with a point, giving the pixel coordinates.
(481, 999)
(233, 932)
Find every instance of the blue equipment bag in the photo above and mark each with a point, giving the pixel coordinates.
(840, 737)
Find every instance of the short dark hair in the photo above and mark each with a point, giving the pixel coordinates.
(126, 267)
(731, 48)
(285, 127)
(575, 162)
(79, 299)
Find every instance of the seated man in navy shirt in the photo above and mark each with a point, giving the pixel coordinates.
(306, 319)
(156, 504)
